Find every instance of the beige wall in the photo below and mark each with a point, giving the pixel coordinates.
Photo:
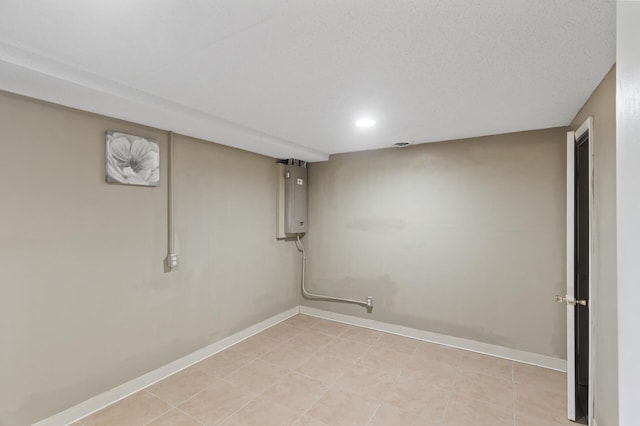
(464, 238)
(602, 106)
(85, 303)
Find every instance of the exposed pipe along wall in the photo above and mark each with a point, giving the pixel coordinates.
(295, 222)
(172, 258)
(462, 238)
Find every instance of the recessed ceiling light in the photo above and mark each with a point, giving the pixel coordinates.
(365, 122)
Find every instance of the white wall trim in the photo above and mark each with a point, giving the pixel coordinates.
(628, 208)
(111, 396)
(455, 342)
(114, 395)
(570, 269)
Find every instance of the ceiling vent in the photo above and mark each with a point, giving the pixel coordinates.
(402, 144)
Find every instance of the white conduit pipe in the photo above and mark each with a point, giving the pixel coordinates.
(172, 257)
(368, 303)
(170, 195)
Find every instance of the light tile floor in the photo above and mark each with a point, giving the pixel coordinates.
(310, 371)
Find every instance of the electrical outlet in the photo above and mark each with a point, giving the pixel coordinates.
(172, 260)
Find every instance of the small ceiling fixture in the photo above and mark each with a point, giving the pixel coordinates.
(402, 144)
(365, 122)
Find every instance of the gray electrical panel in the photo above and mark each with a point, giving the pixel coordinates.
(295, 197)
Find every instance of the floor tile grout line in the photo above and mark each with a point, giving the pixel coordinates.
(224, 419)
(171, 407)
(233, 370)
(143, 390)
(306, 412)
(453, 385)
(219, 379)
(253, 397)
(333, 384)
(309, 415)
(446, 406)
(287, 370)
(194, 395)
(171, 403)
(188, 415)
(374, 414)
(495, 376)
(384, 400)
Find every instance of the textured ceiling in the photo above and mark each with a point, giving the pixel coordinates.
(289, 78)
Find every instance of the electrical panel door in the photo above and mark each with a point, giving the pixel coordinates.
(295, 199)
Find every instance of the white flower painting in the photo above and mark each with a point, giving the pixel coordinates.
(132, 160)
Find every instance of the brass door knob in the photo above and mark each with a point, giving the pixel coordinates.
(564, 299)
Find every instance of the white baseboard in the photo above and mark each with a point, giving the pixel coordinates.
(456, 342)
(111, 396)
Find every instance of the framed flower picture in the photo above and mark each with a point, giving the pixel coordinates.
(132, 160)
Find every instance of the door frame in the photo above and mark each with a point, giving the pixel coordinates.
(572, 137)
